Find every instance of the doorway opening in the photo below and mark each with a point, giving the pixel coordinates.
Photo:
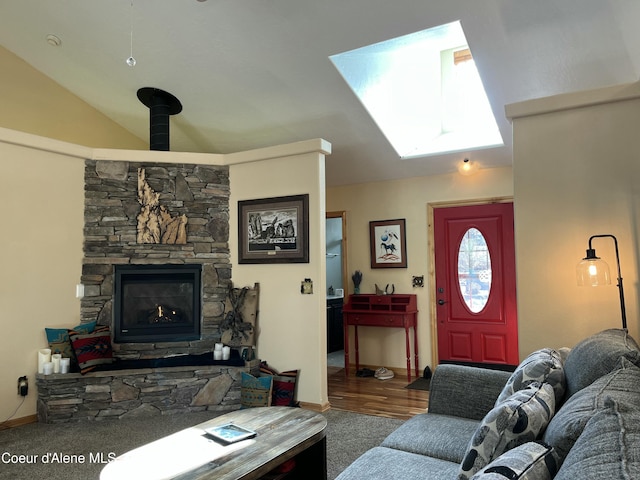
(336, 287)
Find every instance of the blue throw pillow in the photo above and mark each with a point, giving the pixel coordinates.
(255, 392)
(59, 341)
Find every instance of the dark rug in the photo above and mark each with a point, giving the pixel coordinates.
(420, 384)
(349, 435)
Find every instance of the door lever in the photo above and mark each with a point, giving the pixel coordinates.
(441, 302)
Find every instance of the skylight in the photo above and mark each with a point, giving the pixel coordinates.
(423, 91)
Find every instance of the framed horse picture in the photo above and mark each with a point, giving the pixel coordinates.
(388, 244)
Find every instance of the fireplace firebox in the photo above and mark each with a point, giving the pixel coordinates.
(157, 303)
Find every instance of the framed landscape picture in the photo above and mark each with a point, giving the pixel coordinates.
(274, 230)
(388, 244)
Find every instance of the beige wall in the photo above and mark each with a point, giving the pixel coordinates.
(576, 174)
(408, 199)
(33, 103)
(41, 257)
(291, 325)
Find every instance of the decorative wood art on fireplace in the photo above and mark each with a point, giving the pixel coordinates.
(155, 222)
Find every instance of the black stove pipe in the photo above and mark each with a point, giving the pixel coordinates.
(161, 105)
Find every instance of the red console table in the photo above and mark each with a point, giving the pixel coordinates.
(399, 311)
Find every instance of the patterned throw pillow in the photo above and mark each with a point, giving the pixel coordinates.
(255, 392)
(284, 385)
(92, 349)
(530, 461)
(519, 419)
(59, 342)
(542, 366)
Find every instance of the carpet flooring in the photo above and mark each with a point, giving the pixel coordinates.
(348, 436)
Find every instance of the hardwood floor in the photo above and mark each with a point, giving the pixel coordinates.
(368, 395)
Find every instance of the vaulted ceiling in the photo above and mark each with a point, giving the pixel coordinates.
(254, 73)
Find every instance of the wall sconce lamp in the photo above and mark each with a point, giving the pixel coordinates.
(593, 271)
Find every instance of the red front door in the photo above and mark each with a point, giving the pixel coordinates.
(476, 284)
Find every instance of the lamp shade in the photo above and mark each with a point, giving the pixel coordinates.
(592, 271)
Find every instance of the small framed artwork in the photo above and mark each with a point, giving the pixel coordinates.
(388, 244)
(274, 230)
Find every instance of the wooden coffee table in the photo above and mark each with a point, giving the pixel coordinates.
(284, 433)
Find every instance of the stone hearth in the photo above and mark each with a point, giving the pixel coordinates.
(141, 392)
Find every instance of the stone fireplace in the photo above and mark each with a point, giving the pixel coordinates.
(164, 282)
(122, 196)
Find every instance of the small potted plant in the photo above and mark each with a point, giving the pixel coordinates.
(357, 279)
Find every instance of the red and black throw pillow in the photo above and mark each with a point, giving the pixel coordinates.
(92, 349)
(284, 385)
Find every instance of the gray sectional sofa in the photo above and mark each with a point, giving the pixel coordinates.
(566, 414)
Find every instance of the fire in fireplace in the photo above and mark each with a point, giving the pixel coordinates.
(157, 303)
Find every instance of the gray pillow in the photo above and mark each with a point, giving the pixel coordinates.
(607, 448)
(543, 365)
(598, 355)
(519, 419)
(530, 461)
(621, 385)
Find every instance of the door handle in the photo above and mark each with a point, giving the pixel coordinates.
(441, 302)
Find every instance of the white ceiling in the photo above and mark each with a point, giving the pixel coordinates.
(254, 73)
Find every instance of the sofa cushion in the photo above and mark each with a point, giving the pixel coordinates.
(596, 356)
(543, 365)
(621, 385)
(519, 419)
(607, 448)
(439, 436)
(529, 461)
(390, 464)
(463, 391)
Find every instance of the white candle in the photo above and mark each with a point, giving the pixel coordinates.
(55, 359)
(217, 354)
(217, 346)
(64, 365)
(47, 368)
(226, 353)
(44, 356)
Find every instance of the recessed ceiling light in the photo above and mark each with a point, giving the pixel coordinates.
(53, 40)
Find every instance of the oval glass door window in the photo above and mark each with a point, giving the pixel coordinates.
(474, 270)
